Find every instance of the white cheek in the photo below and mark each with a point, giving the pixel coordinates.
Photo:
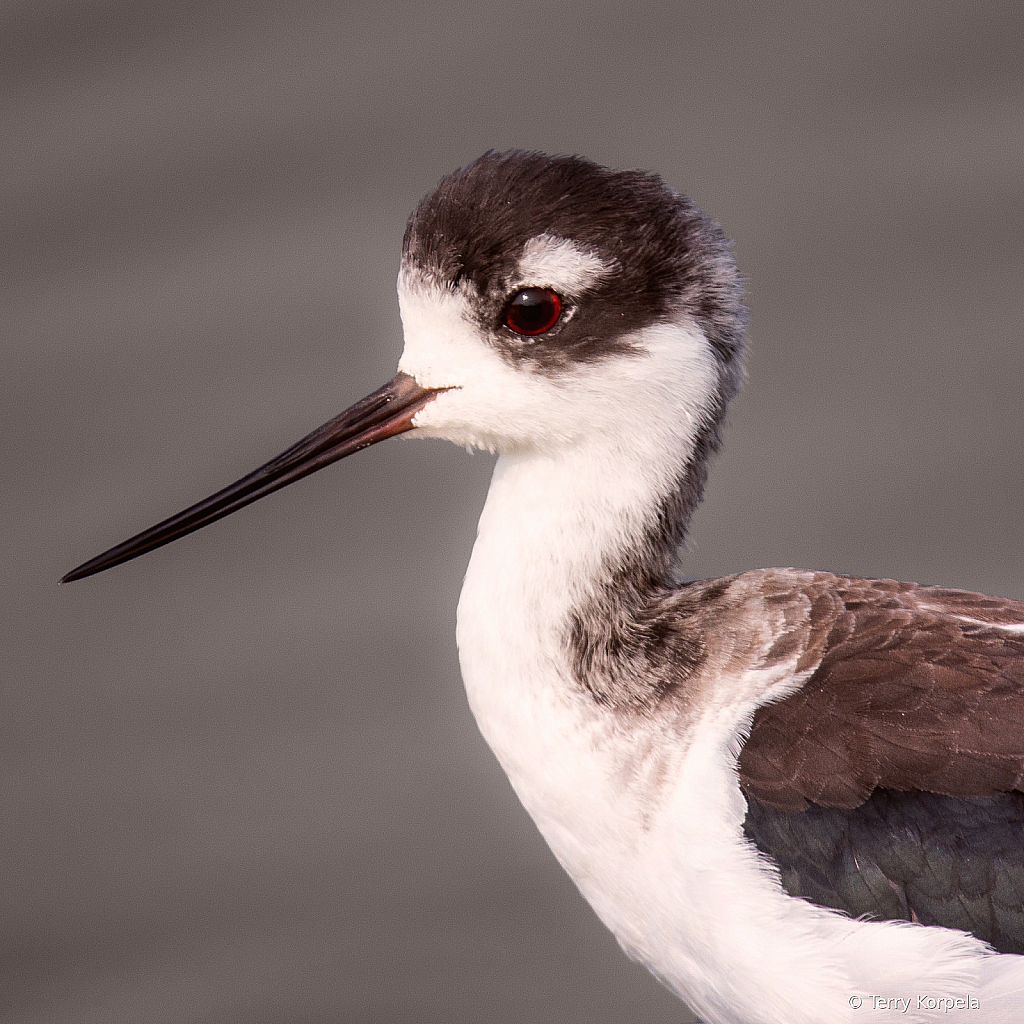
(491, 404)
(438, 336)
(652, 402)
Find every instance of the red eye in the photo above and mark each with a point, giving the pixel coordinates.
(533, 311)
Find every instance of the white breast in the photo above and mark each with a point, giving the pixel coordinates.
(646, 814)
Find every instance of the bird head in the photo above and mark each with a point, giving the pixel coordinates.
(547, 303)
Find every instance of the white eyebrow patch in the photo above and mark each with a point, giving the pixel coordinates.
(558, 263)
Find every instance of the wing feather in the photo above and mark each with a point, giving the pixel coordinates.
(916, 688)
(891, 784)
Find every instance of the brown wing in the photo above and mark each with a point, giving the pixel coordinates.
(917, 688)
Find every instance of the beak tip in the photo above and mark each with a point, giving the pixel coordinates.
(90, 568)
(386, 412)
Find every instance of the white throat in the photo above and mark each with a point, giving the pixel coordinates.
(554, 526)
(586, 462)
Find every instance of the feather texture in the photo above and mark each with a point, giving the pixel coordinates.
(936, 860)
(915, 688)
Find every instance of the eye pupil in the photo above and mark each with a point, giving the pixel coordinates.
(533, 311)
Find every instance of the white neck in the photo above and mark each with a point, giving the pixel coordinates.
(558, 521)
(554, 527)
(551, 528)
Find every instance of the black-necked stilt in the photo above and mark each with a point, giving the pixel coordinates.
(796, 797)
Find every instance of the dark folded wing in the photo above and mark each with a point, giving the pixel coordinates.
(890, 785)
(938, 860)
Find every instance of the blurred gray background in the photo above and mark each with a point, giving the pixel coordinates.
(241, 784)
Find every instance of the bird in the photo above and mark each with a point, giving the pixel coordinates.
(794, 796)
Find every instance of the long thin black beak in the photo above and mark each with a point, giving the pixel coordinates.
(385, 413)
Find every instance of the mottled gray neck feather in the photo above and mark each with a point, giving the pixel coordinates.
(629, 643)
